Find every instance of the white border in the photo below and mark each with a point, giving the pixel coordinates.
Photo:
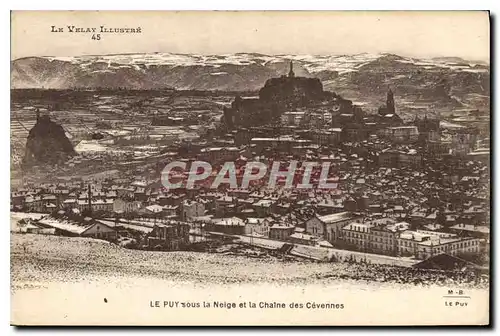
(492, 5)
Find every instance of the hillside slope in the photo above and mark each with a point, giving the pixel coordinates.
(450, 81)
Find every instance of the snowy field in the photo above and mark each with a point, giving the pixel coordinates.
(58, 280)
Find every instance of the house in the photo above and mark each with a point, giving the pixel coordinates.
(239, 193)
(170, 211)
(281, 231)
(82, 205)
(154, 209)
(69, 203)
(105, 205)
(329, 227)
(225, 205)
(34, 203)
(190, 209)
(282, 208)
(478, 231)
(292, 118)
(49, 207)
(111, 194)
(50, 199)
(140, 194)
(32, 227)
(330, 206)
(410, 158)
(17, 199)
(400, 158)
(327, 137)
(401, 134)
(263, 208)
(126, 206)
(175, 199)
(303, 238)
(123, 192)
(232, 225)
(219, 154)
(86, 228)
(257, 226)
(169, 237)
(100, 231)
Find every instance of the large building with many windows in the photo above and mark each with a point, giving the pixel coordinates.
(425, 244)
(329, 227)
(377, 236)
(386, 236)
(400, 134)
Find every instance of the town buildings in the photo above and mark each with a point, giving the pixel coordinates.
(404, 188)
(424, 244)
(329, 227)
(281, 231)
(191, 209)
(83, 227)
(169, 237)
(400, 134)
(258, 227)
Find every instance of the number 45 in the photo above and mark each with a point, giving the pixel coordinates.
(96, 36)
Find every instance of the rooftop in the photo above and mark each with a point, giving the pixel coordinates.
(337, 217)
(358, 226)
(402, 127)
(472, 228)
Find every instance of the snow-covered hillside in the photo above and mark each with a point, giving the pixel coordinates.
(449, 81)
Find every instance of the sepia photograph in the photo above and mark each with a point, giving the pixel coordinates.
(250, 168)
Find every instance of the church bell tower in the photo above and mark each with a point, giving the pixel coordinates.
(291, 73)
(390, 102)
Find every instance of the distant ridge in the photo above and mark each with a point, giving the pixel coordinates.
(363, 74)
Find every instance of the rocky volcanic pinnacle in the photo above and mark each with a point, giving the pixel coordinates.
(47, 144)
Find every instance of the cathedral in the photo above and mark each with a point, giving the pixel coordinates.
(286, 93)
(387, 113)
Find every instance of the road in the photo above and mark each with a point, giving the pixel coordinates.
(313, 251)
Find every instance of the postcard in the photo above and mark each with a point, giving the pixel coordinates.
(250, 168)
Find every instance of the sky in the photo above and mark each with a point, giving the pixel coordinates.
(416, 34)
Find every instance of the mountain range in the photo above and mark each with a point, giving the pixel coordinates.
(445, 81)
